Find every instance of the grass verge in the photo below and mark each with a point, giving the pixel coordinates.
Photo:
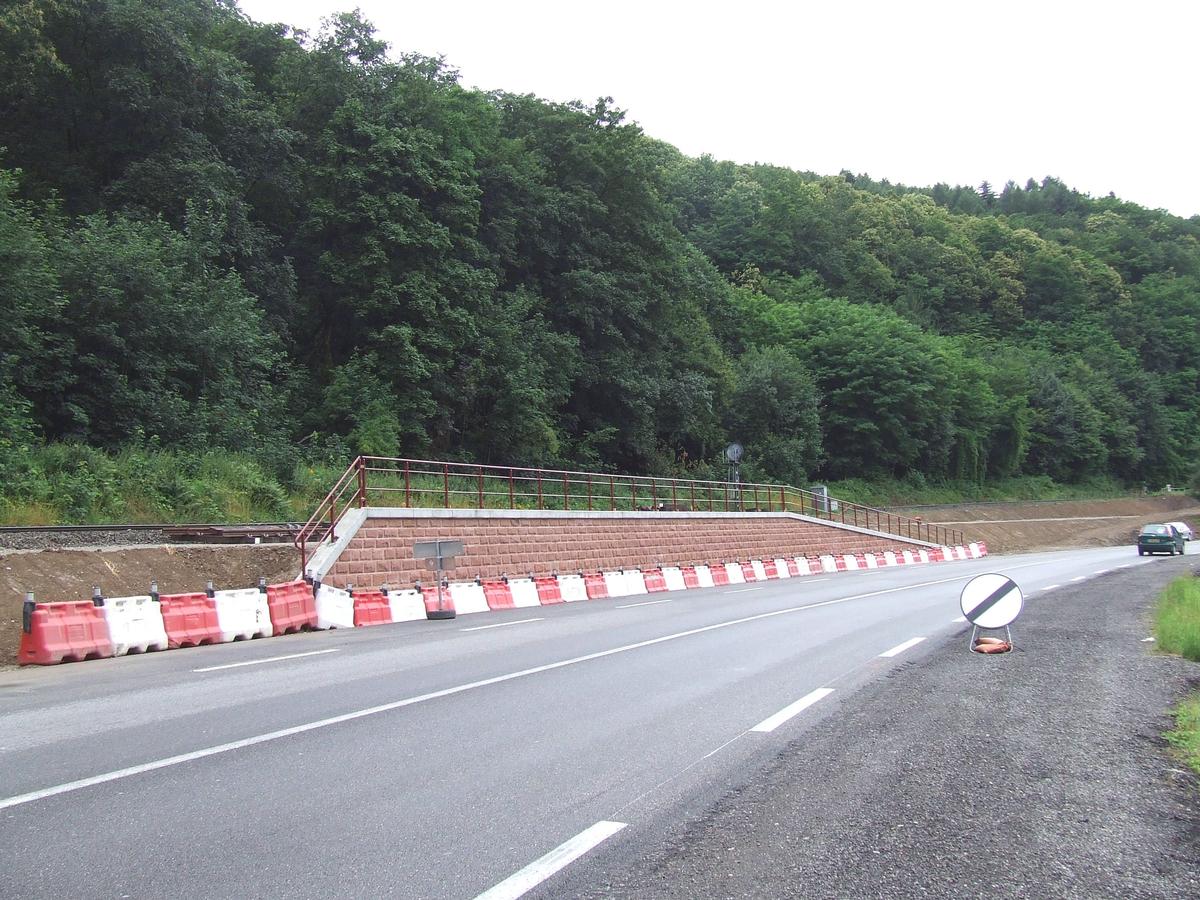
(1177, 630)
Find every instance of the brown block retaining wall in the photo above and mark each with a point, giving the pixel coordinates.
(381, 551)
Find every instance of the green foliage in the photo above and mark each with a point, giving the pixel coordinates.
(226, 235)
(1177, 618)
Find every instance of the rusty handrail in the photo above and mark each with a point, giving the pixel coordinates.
(438, 484)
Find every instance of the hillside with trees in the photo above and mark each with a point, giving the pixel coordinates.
(225, 237)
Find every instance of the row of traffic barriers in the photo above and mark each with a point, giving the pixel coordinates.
(102, 627)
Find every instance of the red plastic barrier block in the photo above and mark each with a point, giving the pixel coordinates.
(430, 593)
(654, 580)
(719, 574)
(840, 562)
(982, 549)
(793, 569)
(900, 560)
(190, 619)
(690, 578)
(548, 590)
(861, 559)
(748, 571)
(593, 582)
(64, 632)
(497, 593)
(770, 568)
(814, 566)
(292, 607)
(371, 608)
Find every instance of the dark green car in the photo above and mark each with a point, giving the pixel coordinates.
(1159, 539)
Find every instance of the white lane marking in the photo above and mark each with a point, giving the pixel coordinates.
(743, 590)
(1102, 571)
(141, 769)
(502, 624)
(644, 603)
(959, 619)
(1051, 587)
(900, 648)
(559, 858)
(1126, 566)
(255, 662)
(772, 722)
(1079, 578)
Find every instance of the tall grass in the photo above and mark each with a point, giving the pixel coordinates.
(1177, 618)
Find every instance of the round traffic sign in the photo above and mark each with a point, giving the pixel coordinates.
(991, 600)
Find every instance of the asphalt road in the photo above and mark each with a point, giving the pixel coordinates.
(444, 759)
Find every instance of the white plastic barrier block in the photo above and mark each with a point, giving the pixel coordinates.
(673, 578)
(828, 564)
(524, 592)
(735, 573)
(135, 625)
(406, 605)
(947, 554)
(468, 597)
(335, 608)
(572, 588)
(974, 548)
(889, 558)
(635, 582)
(851, 561)
(243, 614)
(924, 555)
(760, 571)
(615, 582)
(909, 559)
(802, 565)
(869, 560)
(960, 553)
(781, 566)
(704, 576)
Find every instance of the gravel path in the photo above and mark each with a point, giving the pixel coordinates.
(1042, 773)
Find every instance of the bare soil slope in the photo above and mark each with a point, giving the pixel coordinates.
(69, 574)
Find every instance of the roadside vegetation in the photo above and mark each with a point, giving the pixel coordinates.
(234, 255)
(1177, 630)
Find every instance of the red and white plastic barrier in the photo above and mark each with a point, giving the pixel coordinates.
(335, 607)
(524, 593)
(468, 597)
(242, 614)
(572, 588)
(190, 619)
(62, 632)
(135, 624)
(292, 607)
(406, 605)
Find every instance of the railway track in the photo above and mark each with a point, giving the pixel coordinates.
(38, 537)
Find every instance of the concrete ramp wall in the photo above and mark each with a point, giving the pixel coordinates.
(375, 544)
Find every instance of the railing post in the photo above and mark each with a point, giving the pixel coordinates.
(446, 485)
(589, 491)
(692, 494)
(725, 502)
(612, 494)
(480, 486)
(653, 495)
(782, 499)
(539, 484)
(566, 493)
(362, 482)
(332, 518)
(756, 498)
(407, 487)
(674, 501)
(511, 502)
(633, 495)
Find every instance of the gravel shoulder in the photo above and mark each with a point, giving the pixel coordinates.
(1042, 773)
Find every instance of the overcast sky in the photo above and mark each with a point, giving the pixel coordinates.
(1100, 94)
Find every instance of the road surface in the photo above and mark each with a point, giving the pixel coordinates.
(448, 759)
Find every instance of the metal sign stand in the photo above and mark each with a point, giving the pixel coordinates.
(991, 602)
(439, 555)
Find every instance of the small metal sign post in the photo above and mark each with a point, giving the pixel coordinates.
(439, 556)
(991, 602)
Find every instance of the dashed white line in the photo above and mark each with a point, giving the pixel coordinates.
(1051, 587)
(501, 624)
(1102, 571)
(743, 590)
(1079, 578)
(772, 722)
(958, 620)
(644, 603)
(900, 648)
(269, 659)
(559, 858)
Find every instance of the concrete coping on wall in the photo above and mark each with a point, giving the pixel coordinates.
(326, 554)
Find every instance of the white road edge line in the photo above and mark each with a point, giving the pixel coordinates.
(1051, 587)
(900, 648)
(559, 858)
(502, 624)
(269, 659)
(772, 722)
(958, 620)
(644, 603)
(117, 774)
(1079, 578)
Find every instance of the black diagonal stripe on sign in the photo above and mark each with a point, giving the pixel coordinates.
(993, 598)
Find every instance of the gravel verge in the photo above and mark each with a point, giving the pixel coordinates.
(1041, 773)
(61, 540)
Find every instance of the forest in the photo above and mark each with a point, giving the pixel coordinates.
(230, 243)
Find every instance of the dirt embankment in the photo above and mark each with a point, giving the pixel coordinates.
(70, 574)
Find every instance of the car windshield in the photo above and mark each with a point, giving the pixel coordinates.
(1155, 529)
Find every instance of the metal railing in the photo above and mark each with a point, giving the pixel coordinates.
(428, 484)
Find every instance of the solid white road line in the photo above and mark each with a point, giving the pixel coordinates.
(1079, 578)
(900, 648)
(644, 603)
(217, 749)
(772, 722)
(743, 590)
(255, 662)
(502, 624)
(559, 858)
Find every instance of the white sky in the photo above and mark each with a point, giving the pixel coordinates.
(1099, 94)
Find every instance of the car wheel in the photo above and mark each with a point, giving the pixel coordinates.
(1141, 552)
